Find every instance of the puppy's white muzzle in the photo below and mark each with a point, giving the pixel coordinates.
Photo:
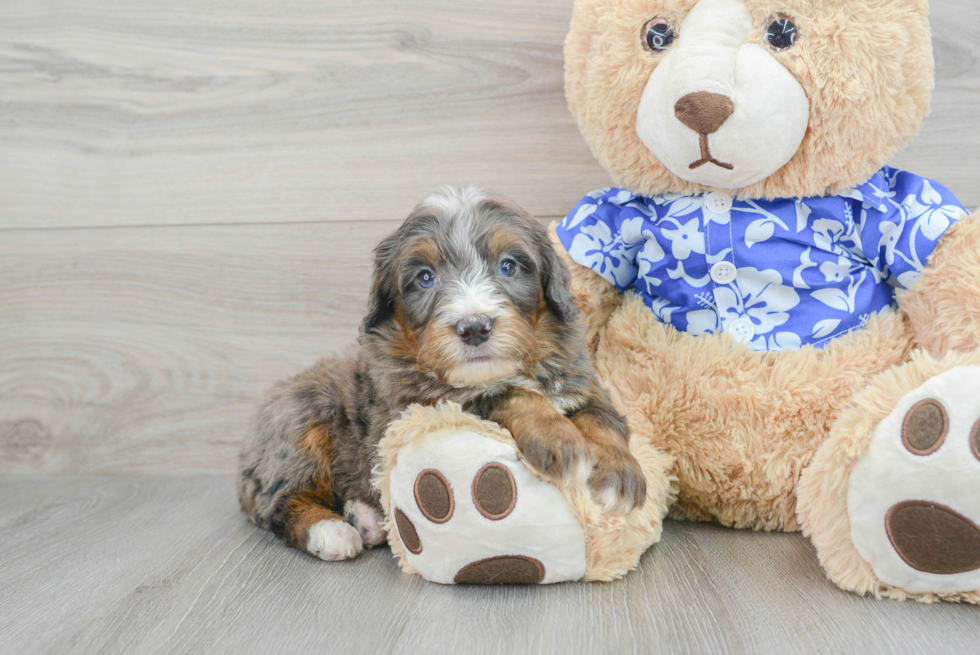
(711, 56)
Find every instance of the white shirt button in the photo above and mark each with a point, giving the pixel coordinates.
(718, 203)
(723, 273)
(742, 329)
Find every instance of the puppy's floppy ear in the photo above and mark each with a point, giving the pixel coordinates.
(381, 302)
(556, 281)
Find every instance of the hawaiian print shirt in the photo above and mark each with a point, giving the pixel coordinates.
(775, 274)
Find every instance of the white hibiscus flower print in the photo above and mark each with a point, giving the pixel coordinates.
(596, 247)
(662, 309)
(931, 216)
(778, 341)
(807, 273)
(583, 212)
(760, 230)
(702, 321)
(827, 234)
(890, 233)
(650, 254)
(805, 263)
(681, 206)
(759, 295)
(631, 231)
(844, 300)
(836, 271)
(687, 238)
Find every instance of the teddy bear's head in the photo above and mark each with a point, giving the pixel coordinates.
(766, 98)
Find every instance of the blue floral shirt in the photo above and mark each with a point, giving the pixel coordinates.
(775, 274)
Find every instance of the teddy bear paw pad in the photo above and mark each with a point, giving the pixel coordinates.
(502, 570)
(914, 496)
(469, 512)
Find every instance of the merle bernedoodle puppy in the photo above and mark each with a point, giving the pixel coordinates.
(470, 304)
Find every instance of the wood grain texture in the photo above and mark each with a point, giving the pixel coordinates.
(146, 349)
(123, 112)
(169, 565)
(127, 112)
(189, 192)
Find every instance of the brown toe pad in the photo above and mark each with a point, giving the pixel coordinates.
(407, 532)
(434, 496)
(933, 538)
(506, 569)
(494, 491)
(925, 427)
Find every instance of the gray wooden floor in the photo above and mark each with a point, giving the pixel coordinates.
(189, 192)
(143, 564)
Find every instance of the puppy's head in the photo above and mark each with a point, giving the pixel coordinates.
(468, 288)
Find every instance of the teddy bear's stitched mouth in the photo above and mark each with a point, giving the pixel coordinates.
(706, 157)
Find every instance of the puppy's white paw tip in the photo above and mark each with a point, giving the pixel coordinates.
(334, 541)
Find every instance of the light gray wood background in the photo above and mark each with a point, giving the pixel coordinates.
(189, 191)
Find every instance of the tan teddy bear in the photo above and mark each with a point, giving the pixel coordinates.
(795, 323)
(791, 327)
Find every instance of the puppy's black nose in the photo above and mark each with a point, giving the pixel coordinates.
(474, 331)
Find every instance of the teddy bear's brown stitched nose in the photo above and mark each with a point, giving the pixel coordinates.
(704, 112)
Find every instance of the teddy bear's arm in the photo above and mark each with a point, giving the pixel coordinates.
(595, 298)
(943, 307)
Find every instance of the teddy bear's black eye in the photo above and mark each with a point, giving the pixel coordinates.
(659, 34)
(782, 33)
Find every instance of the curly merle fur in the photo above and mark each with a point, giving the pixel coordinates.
(310, 454)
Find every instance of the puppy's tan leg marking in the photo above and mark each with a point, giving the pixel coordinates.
(308, 523)
(321, 532)
(617, 482)
(548, 440)
(315, 444)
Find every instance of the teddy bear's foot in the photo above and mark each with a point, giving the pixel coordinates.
(468, 511)
(912, 498)
(462, 506)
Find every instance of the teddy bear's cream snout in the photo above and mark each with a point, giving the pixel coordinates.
(719, 109)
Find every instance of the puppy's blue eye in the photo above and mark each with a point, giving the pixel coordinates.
(508, 268)
(426, 279)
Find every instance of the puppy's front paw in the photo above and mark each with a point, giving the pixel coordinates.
(334, 540)
(617, 482)
(560, 455)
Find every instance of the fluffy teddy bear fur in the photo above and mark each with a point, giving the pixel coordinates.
(613, 543)
(767, 440)
(743, 427)
(725, 412)
(867, 68)
(823, 489)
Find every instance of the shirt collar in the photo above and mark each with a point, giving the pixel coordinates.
(872, 193)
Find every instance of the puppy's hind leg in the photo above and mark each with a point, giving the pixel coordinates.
(368, 520)
(304, 521)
